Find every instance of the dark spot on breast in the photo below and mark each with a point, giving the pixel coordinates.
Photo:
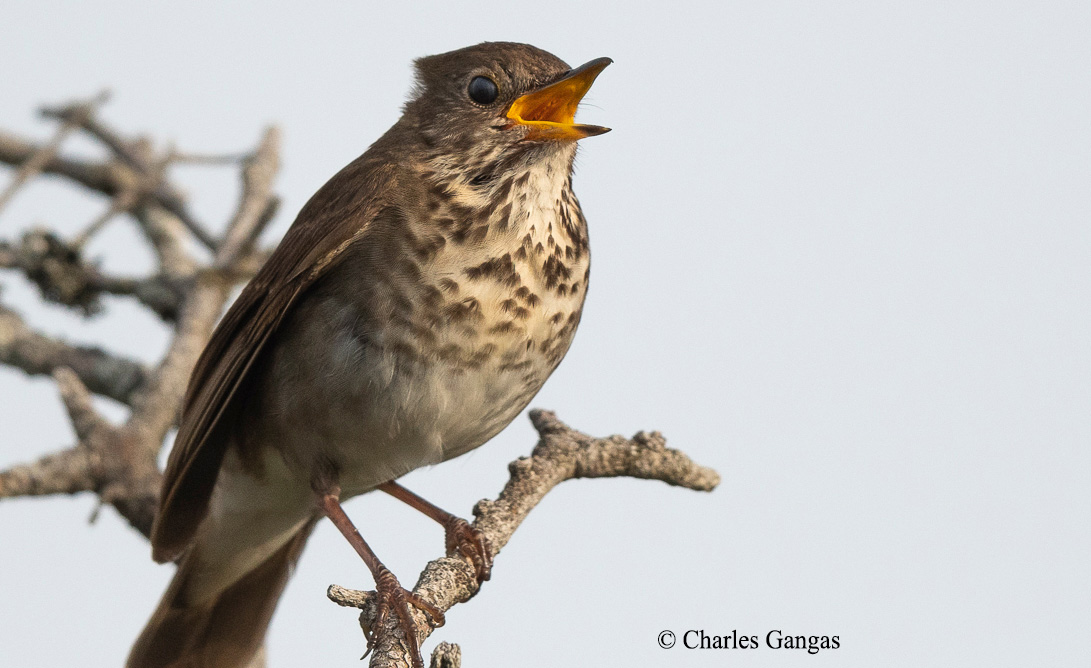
(528, 298)
(402, 302)
(480, 356)
(478, 233)
(515, 366)
(555, 271)
(410, 269)
(503, 328)
(503, 192)
(467, 309)
(420, 332)
(403, 350)
(500, 269)
(427, 248)
(503, 217)
(483, 179)
(449, 352)
(431, 296)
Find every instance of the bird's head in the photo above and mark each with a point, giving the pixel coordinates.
(500, 101)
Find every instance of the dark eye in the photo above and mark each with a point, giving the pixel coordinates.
(483, 90)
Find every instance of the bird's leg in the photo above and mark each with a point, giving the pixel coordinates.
(461, 538)
(390, 592)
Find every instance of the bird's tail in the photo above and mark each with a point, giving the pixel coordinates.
(224, 630)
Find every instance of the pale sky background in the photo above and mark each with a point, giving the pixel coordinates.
(842, 254)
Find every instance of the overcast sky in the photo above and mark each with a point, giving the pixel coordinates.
(842, 254)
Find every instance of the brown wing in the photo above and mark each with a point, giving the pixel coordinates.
(339, 214)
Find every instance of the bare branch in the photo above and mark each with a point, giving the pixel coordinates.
(33, 164)
(37, 354)
(63, 277)
(77, 401)
(562, 454)
(124, 201)
(177, 157)
(112, 178)
(156, 408)
(171, 199)
(137, 155)
(446, 655)
(134, 153)
(108, 178)
(168, 238)
(257, 198)
(66, 472)
(56, 268)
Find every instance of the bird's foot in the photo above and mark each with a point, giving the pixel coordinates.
(392, 596)
(469, 542)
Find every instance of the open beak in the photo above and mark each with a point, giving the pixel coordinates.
(549, 112)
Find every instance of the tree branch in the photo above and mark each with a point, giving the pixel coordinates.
(562, 454)
(33, 163)
(65, 472)
(37, 354)
(119, 462)
(257, 203)
(63, 277)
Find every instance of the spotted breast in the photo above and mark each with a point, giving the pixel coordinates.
(437, 352)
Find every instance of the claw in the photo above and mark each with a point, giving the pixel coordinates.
(469, 542)
(391, 595)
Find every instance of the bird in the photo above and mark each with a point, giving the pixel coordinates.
(419, 301)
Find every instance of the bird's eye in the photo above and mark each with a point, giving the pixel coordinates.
(483, 90)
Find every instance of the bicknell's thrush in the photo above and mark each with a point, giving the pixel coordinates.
(420, 299)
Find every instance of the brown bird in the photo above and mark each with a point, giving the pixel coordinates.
(420, 299)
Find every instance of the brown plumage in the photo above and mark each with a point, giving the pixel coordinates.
(418, 302)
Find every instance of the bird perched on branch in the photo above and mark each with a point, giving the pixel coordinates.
(417, 304)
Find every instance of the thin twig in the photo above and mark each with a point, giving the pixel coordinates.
(129, 151)
(34, 163)
(254, 203)
(77, 402)
(177, 157)
(110, 178)
(122, 202)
